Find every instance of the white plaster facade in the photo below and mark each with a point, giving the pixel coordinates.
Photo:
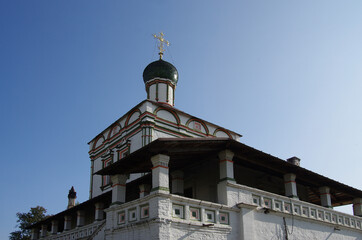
(145, 123)
(210, 187)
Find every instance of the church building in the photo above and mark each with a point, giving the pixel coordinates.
(160, 173)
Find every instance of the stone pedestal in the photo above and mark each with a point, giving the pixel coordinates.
(160, 177)
(144, 190)
(325, 197)
(119, 188)
(80, 218)
(54, 227)
(357, 207)
(99, 214)
(290, 185)
(67, 223)
(177, 182)
(226, 165)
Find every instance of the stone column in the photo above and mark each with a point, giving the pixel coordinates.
(177, 182)
(290, 185)
(144, 190)
(34, 233)
(44, 231)
(80, 218)
(357, 207)
(226, 165)
(160, 178)
(119, 188)
(226, 169)
(99, 213)
(67, 223)
(54, 227)
(325, 197)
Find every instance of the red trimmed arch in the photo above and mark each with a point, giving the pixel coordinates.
(222, 130)
(199, 121)
(117, 124)
(130, 115)
(170, 111)
(97, 140)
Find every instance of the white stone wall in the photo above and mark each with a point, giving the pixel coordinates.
(271, 226)
(163, 224)
(262, 216)
(171, 217)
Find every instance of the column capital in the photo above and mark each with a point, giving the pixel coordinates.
(357, 201)
(324, 190)
(160, 160)
(357, 207)
(119, 179)
(80, 212)
(99, 205)
(290, 177)
(226, 155)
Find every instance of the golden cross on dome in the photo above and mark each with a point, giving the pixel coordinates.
(161, 43)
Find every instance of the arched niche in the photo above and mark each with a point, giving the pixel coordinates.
(168, 116)
(197, 125)
(221, 133)
(99, 142)
(133, 116)
(114, 130)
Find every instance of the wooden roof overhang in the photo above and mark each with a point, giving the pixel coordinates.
(106, 198)
(185, 152)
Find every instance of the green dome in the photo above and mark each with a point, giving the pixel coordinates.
(160, 69)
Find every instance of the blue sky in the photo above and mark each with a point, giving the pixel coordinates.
(285, 74)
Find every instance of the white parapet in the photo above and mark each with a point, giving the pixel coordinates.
(86, 232)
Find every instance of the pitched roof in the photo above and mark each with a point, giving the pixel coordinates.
(186, 151)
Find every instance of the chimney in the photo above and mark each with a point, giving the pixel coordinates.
(294, 160)
(71, 198)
